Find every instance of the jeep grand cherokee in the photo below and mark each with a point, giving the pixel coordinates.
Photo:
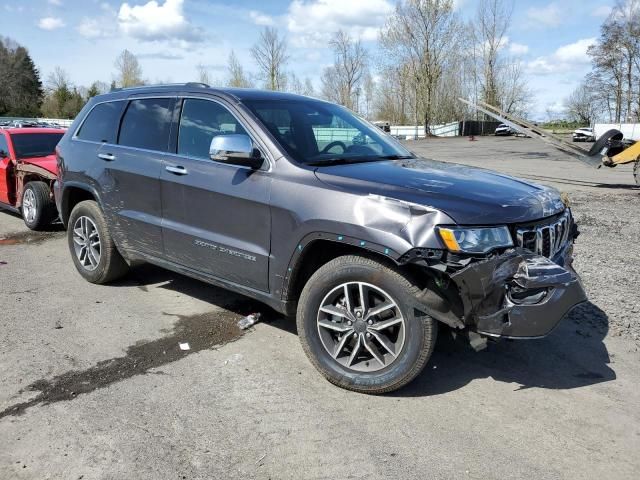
(305, 206)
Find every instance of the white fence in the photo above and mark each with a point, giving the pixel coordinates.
(411, 131)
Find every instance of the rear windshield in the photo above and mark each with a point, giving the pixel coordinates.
(29, 145)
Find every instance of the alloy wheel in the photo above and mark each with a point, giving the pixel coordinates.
(361, 326)
(86, 243)
(29, 206)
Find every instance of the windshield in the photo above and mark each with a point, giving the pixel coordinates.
(29, 145)
(317, 133)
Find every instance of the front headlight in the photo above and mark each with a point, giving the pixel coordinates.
(475, 240)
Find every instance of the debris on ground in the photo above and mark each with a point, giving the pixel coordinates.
(249, 320)
(184, 346)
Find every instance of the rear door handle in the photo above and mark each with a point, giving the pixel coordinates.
(178, 170)
(107, 156)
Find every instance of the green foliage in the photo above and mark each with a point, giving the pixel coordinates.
(20, 88)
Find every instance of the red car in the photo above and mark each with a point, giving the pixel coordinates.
(28, 169)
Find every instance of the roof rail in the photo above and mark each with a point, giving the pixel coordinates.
(187, 84)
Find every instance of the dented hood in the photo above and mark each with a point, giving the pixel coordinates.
(49, 163)
(469, 195)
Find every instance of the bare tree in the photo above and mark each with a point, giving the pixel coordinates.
(203, 74)
(129, 72)
(237, 77)
(341, 81)
(581, 106)
(270, 53)
(492, 22)
(420, 35)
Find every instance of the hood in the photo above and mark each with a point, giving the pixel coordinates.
(469, 195)
(49, 163)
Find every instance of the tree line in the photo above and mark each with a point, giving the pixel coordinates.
(428, 56)
(611, 90)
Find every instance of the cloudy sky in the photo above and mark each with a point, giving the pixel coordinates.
(171, 37)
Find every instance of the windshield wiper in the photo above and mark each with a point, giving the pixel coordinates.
(395, 157)
(346, 160)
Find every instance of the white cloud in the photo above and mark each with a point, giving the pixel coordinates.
(93, 28)
(50, 23)
(518, 48)
(56, 3)
(261, 19)
(549, 16)
(156, 21)
(313, 22)
(566, 59)
(602, 11)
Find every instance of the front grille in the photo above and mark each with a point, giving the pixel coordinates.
(547, 239)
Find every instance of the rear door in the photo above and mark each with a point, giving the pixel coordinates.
(216, 216)
(131, 180)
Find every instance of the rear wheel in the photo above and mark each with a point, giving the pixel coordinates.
(94, 254)
(38, 209)
(358, 326)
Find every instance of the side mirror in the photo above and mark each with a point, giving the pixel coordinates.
(236, 149)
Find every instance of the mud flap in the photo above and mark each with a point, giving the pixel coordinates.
(517, 294)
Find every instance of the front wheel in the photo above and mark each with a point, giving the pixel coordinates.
(38, 209)
(358, 325)
(636, 172)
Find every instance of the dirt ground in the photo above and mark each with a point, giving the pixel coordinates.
(93, 384)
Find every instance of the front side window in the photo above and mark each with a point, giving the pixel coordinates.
(200, 121)
(101, 124)
(32, 145)
(318, 133)
(146, 124)
(4, 148)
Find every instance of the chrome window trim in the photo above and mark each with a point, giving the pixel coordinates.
(250, 131)
(265, 151)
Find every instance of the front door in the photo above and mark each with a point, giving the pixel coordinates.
(216, 216)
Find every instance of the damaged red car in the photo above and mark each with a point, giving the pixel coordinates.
(27, 170)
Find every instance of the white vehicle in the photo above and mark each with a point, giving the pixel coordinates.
(504, 130)
(584, 135)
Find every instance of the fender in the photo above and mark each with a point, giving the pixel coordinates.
(64, 197)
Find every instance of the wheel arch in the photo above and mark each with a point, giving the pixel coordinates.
(73, 194)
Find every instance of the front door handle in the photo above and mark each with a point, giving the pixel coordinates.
(178, 170)
(107, 156)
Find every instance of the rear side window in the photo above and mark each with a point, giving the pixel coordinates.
(201, 120)
(146, 124)
(101, 125)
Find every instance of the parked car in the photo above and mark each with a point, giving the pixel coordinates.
(367, 245)
(27, 172)
(504, 130)
(584, 135)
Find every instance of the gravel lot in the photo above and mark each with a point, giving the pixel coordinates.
(93, 384)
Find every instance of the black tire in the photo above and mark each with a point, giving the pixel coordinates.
(110, 265)
(420, 332)
(41, 210)
(636, 172)
(603, 141)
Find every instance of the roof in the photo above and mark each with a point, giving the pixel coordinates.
(235, 93)
(21, 130)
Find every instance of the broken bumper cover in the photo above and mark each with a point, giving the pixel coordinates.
(519, 294)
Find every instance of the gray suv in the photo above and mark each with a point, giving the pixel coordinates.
(319, 214)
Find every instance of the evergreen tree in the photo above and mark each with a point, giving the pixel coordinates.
(21, 88)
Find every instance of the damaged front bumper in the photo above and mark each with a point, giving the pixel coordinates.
(518, 294)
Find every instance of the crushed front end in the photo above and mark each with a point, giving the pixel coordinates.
(522, 291)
